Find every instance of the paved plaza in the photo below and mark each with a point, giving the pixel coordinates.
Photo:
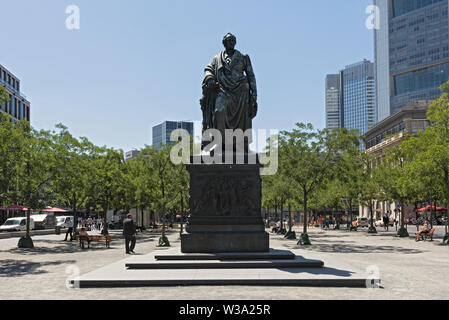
(408, 269)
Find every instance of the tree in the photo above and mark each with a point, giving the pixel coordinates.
(73, 167)
(106, 176)
(369, 190)
(4, 95)
(34, 173)
(164, 189)
(431, 147)
(309, 156)
(10, 150)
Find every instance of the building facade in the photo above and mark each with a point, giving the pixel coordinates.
(131, 154)
(162, 132)
(333, 101)
(411, 52)
(388, 133)
(357, 97)
(18, 106)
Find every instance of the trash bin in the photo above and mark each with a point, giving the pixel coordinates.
(58, 230)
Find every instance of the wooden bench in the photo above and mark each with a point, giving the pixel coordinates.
(89, 239)
(426, 236)
(429, 235)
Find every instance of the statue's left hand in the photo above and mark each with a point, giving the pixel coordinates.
(254, 108)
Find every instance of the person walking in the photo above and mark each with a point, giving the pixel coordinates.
(386, 222)
(69, 224)
(129, 232)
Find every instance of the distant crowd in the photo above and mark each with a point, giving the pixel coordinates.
(91, 224)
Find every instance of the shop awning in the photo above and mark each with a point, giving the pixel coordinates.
(429, 208)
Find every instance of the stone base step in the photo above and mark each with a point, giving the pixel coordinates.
(299, 262)
(175, 255)
(125, 283)
(333, 274)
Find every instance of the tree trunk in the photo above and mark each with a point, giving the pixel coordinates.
(350, 212)
(182, 215)
(28, 223)
(305, 211)
(142, 221)
(282, 217)
(163, 220)
(371, 206)
(289, 217)
(75, 221)
(402, 214)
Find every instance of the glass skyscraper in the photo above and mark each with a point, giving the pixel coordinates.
(18, 106)
(357, 102)
(411, 52)
(162, 132)
(332, 101)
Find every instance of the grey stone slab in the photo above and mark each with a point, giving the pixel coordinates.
(175, 254)
(299, 262)
(221, 242)
(334, 274)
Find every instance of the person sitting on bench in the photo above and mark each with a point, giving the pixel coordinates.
(424, 231)
(83, 235)
(276, 227)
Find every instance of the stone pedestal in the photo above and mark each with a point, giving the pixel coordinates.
(225, 210)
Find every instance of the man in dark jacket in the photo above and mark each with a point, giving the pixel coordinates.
(129, 231)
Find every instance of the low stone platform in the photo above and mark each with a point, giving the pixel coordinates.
(332, 274)
(174, 254)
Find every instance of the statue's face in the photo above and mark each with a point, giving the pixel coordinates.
(229, 43)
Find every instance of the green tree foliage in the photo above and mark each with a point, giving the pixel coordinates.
(4, 95)
(428, 151)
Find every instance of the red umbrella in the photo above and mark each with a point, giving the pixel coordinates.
(15, 207)
(50, 209)
(429, 208)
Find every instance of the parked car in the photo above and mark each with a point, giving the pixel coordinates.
(362, 222)
(16, 224)
(60, 221)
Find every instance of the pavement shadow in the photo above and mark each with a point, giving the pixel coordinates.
(320, 271)
(342, 248)
(61, 249)
(18, 268)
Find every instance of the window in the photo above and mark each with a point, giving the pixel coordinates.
(401, 7)
(423, 79)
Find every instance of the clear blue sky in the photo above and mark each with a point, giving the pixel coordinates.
(136, 63)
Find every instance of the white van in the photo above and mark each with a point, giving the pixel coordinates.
(60, 221)
(16, 224)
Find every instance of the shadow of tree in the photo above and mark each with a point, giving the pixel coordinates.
(18, 268)
(343, 248)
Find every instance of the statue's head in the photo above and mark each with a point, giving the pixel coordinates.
(229, 41)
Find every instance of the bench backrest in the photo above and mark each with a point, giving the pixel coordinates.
(94, 238)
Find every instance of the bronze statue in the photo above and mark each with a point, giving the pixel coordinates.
(229, 90)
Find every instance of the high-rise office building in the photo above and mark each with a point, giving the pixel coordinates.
(162, 132)
(357, 97)
(18, 106)
(411, 52)
(333, 101)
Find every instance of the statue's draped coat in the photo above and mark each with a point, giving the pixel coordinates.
(232, 103)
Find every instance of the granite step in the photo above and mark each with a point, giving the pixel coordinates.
(298, 262)
(175, 255)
